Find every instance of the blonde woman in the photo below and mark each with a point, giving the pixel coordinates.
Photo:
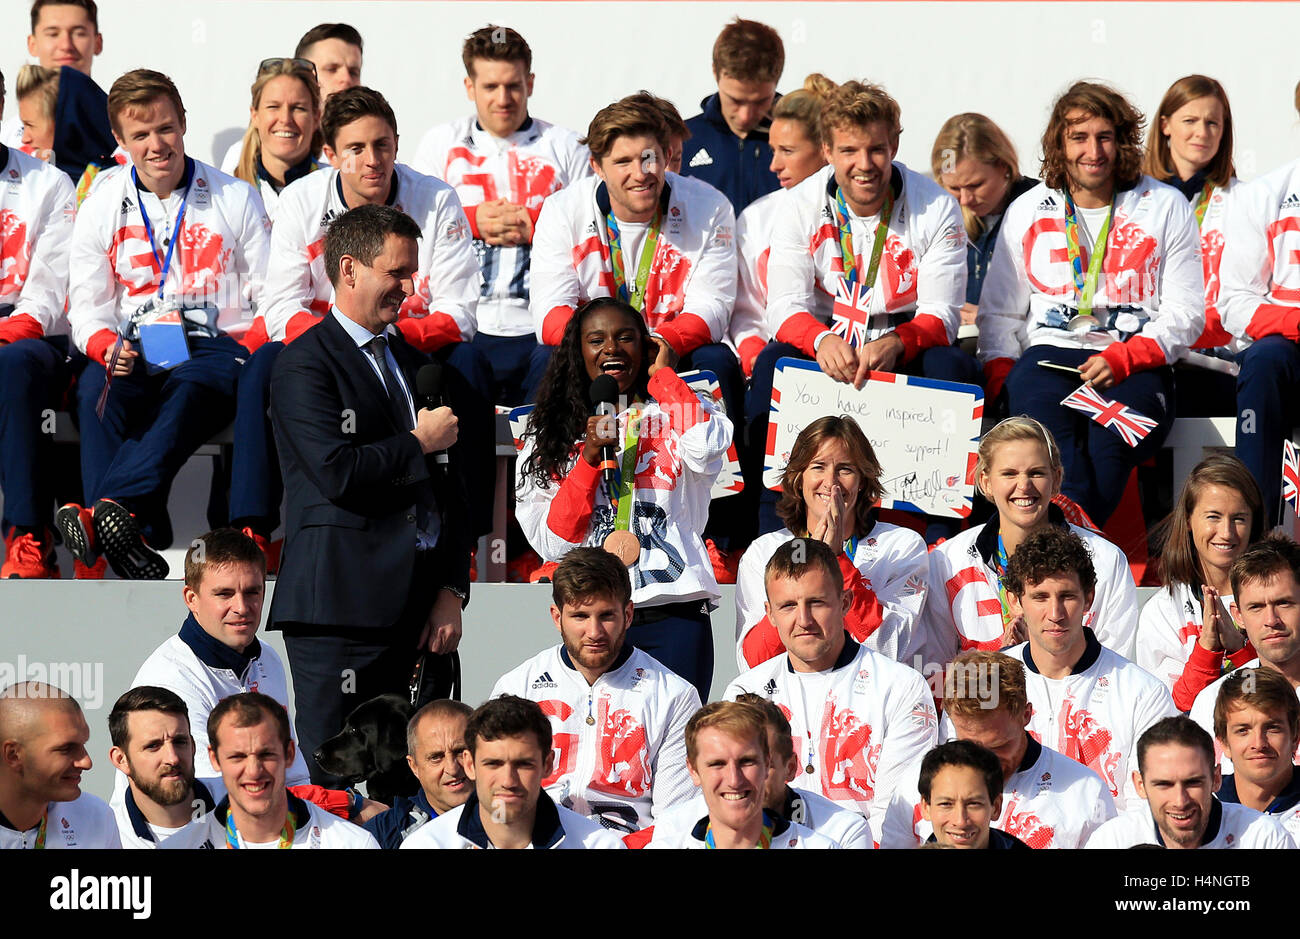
(975, 161)
(283, 136)
(1020, 472)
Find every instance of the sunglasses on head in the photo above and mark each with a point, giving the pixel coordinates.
(269, 65)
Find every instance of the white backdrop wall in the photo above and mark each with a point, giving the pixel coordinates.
(1007, 60)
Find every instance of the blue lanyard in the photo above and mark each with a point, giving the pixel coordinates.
(164, 263)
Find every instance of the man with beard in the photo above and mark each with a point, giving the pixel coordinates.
(1176, 776)
(618, 717)
(165, 806)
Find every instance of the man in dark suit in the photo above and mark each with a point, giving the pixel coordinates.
(376, 557)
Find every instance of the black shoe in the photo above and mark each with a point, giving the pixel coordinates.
(77, 529)
(119, 538)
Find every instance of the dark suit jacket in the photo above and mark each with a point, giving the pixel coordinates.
(353, 481)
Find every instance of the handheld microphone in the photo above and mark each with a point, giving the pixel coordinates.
(428, 387)
(603, 395)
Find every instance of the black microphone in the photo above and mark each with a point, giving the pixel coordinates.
(603, 396)
(428, 387)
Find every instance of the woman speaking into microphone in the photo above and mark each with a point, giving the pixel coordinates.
(635, 479)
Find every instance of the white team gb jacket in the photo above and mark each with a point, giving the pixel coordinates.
(692, 285)
(1260, 270)
(748, 332)
(185, 665)
(921, 278)
(554, 828)
(1168, 630)
(37, 207)
(137, 833)
(682, 442)
(299, 293)
(525, 168)
(1203, 713)
(1231, 825)
(964, 611)
(219, 261)
(314, 829)
(863, 725)
(846, 828)
(84, 823)
(620, 744)
(785, 835)
(1151, 281)
(890, 562)
(1096, 714)
(1049, 802)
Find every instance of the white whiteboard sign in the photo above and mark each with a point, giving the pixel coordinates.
(925, 432)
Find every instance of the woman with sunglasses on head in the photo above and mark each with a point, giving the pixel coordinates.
(283, 136)
(1186, 630)
(1020, 472)
(280, 146)
(638, 485)
(829, 490)
(1190, 148)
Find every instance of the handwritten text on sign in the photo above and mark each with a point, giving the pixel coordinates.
(925, 432)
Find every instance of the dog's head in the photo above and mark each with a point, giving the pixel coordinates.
(372, 742)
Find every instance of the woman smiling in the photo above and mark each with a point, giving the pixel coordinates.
(830, 488)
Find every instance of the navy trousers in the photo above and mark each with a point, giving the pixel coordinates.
(34, 375)
(1266, 412)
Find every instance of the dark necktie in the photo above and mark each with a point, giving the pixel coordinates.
(396, 407)
(396, 399)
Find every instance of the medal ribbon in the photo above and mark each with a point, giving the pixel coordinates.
(1002, 562)
(286, 833)
(636, 295)
(764, 836)
(627, 473)
(1085, 284)
(163, 263)
(848, 257)
(40, 832)
(1203, 202)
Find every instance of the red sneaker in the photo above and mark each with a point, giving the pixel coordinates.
(543, 574)
(270, 550)
(95, 571)
(28, 557)
(520, 568)
(725, 563)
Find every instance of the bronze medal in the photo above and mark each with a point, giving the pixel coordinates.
(590, 719)
(624, 546)
(808, 769)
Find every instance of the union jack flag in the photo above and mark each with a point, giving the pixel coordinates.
(851, 313)
(1125, 421)
(1290, 476)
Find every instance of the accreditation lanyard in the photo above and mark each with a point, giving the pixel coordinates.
(635, 294)
(1002, 562)
(286, 833)
(164, 263)
(627, 473)
(1203, 203)
(1085, 283)
(764, 837)
(848, 257)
